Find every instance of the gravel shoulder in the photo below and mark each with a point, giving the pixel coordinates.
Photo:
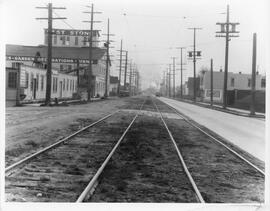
(31, 128)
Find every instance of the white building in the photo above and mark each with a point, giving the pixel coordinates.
(28, 84)
(64, 60)
(236, 82)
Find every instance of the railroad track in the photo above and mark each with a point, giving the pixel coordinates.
(82, 172)
(41, 175)
(187, 184)
(198, 194)
(241, 167)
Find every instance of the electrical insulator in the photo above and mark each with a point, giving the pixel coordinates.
(222, 28)
(190, 54)
(199, 53)
(233, 27)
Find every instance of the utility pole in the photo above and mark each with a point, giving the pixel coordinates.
(181, 69)
(78, 75)
(169, 80)
(194, 59)
(167, 84)
(137, 81)
(130, 77)
(125, 76)
(253, 80)
(50, 19)
(164, 83)
(226, 30)
(107, 45)
(120, 67)
(173, 76)
(211, 92)
(90, 85)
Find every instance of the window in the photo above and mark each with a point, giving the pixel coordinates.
(31, 81)
(37, 81)
(263, 83)
(69, 67)
(95, 61)
(42, 82)
(70, 85)
(26, 79)
(56, 84)
(232, 82)
(64, 82)
(53, 84)
(249, 82)
(61, 67)
(55, 39)
(63, 38)
(12, 80)
(67, 84)
(68, 39)
(84, 40)
(15, 64)
(76, 41)
(55, 81)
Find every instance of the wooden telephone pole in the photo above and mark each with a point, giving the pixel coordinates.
(120, 67)
(211, 86)
(107, 58)
(125, 76)
(195, 54)
(173, 76)
(89, 82)
(181, 69)
(253, 80)
(50, 19)
(227, 30)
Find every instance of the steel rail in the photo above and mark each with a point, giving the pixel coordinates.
(94, 179)
(216, 140)
(28, 158)
(198, 194)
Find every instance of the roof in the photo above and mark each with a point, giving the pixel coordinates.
(57, 52)
(113, 79)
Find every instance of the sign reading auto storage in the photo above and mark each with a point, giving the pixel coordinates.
(43, 59)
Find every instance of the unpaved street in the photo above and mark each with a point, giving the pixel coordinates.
(144, 168)
(30, 128)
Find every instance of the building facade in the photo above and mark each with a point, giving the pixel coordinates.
(28, 84)
(72, 60)
(236, 81)
(71, 38)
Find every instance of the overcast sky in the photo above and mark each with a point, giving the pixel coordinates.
(152, 29)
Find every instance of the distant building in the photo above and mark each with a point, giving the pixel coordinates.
(236, 81)
(113, 85)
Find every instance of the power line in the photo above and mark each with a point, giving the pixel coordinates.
(64, 21)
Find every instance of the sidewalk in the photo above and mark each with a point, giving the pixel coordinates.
(60, 103)
(231, 110)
